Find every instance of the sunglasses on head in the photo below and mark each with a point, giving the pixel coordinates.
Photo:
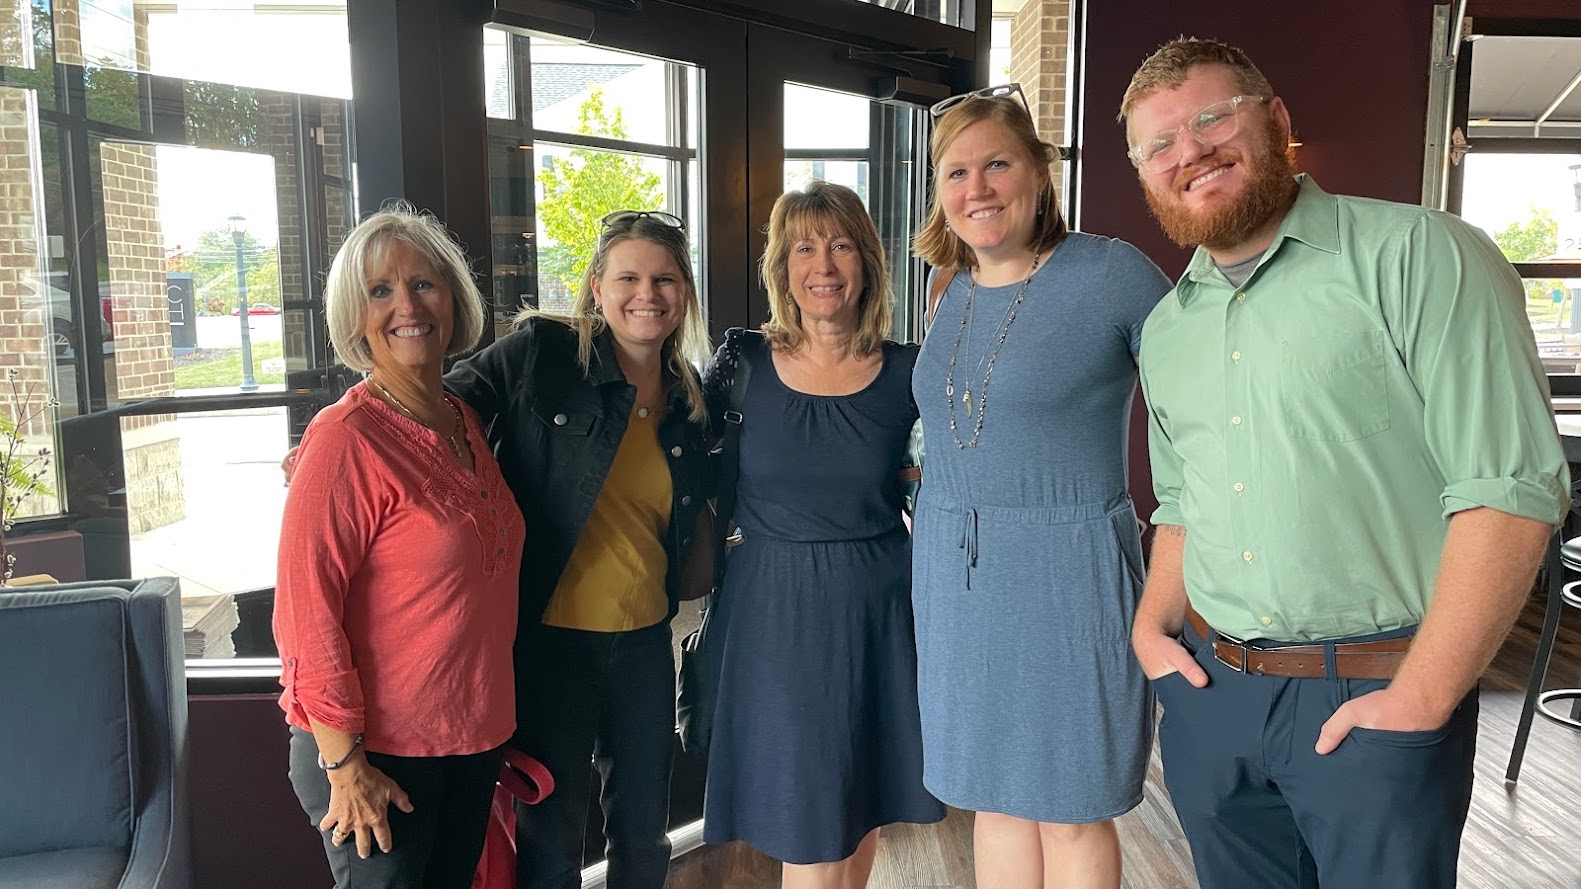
(626, 217)
(1002, 91)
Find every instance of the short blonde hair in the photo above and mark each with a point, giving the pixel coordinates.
(346, 295)
(1171, 64)
(685, 350)
(826, 209)
(940, 247)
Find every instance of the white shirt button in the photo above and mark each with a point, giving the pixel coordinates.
(1239, 487)
(1267, 621)
(1247, 555)
(1235, 421)
(561, 419)
(1235, 356)
(1240, 297)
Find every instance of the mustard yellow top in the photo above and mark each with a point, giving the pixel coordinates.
(615, 578)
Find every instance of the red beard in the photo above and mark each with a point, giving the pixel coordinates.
(1224, 227)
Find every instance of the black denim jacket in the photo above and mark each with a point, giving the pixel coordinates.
(555, 431)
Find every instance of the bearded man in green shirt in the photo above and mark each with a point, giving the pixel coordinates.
(1357, 471)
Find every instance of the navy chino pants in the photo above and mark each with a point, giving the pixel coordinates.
(1261, 808)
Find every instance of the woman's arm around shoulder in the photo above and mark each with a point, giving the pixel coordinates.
(489, 379)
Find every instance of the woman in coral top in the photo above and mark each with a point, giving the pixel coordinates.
(395, 608)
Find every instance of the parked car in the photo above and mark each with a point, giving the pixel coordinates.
(257, 309)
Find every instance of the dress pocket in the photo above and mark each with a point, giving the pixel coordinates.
(1335, 387)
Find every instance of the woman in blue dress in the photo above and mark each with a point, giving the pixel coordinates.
(1028, 562)
(816, 740)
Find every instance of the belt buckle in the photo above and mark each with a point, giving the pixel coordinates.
(1240, 647)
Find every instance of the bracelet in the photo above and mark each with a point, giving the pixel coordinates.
(356, 742)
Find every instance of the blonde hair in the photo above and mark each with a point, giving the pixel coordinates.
(346, 294)
(1171, 64)
(826, 209)
(684, 350)
(940, 247)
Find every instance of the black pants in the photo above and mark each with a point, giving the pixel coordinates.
(1260, 807)
(607, 699)
(436, 846)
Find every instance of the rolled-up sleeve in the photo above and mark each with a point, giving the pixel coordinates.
(330, 515)
(1462, 330)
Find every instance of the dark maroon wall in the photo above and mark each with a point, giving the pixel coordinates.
(1354, 74)
(248, 831)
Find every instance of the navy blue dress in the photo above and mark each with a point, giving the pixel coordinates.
(817, 736)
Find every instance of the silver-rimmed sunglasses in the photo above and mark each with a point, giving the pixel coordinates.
(1002, 91)
(627, 216)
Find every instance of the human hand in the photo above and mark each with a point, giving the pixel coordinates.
(1387, 709)
(288, 464)
(1161, 654)
(359, 800)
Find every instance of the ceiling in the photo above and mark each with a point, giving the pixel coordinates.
(1514, 80)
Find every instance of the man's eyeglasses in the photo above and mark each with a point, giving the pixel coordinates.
(1002, 91)
(626, 217)
(1213, 125)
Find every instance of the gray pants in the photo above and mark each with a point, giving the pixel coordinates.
(436, 846)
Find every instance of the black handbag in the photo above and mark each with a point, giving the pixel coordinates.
(698, 689)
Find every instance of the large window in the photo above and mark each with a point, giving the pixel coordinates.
(1531, 206)
(173, 196)
(586, 131)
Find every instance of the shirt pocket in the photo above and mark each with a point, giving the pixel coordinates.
(1334, 385)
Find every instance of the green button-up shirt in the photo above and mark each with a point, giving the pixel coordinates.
(1314, 429)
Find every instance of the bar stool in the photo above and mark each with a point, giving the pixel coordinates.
(1560, 556)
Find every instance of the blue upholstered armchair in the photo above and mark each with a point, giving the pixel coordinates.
(93, 737)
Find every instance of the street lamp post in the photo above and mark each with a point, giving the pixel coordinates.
(238, 229)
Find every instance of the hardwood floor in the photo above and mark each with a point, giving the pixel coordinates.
(1527, 837)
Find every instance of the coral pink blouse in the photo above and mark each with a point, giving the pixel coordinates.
(395, 604)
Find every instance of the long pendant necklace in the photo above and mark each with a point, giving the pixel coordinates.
(981, 406)
(451, 438)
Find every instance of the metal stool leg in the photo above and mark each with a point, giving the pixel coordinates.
(1545, 650)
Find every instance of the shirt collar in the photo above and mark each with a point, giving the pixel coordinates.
(1313, 220)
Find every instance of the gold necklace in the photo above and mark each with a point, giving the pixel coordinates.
(449, 437)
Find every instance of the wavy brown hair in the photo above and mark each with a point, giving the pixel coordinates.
(940, 247)
(830, 210)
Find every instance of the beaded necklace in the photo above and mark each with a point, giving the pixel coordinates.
(982, 394)
(449, 437)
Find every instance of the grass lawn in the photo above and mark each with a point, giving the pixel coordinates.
(210, 368)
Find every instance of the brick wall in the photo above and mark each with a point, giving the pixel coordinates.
(24, 307)
(1039, 53)
(68, 32)
(140, 321)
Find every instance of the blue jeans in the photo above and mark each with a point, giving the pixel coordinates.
(604, 699)
(1261, 808)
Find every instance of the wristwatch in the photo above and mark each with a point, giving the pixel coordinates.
(356, 742)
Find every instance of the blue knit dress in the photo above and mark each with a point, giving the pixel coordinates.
(1028, 563)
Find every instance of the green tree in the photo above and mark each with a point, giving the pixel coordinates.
(1536, 238)
(582, 189)
(212, 264)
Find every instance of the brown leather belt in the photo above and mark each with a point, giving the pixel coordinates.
(1352, 660)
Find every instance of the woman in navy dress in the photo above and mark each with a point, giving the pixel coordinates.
(817, 740)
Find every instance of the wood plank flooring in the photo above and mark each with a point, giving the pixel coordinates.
(1527, 837)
